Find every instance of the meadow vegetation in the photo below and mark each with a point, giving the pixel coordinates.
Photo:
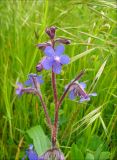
(87, 131)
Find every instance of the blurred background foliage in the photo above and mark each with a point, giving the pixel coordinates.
(87, 131)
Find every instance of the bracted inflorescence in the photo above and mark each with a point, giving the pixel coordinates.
(53, 59)
(77, 90)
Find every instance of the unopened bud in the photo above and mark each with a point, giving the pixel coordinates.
(42, 46)
(39, 67)
(54, 154)
(51, 32)
(63, 41)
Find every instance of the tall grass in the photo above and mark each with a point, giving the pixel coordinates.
(91, 27)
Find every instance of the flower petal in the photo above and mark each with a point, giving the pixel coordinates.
(19, 88)
(32, 155)
(84, 99)
(19, 84)
(71, 95)
(28, 82)
(31, 146)
(39, 79)
(18, 92)
(59, 50)
(57, 67)
(47, 63)
(49, 51)
(83, 85)
(93, 94)
(64, 59)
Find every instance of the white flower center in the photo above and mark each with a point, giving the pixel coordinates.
(57, 58)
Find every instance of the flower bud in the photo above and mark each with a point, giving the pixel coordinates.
(63, 41)
(39, 67)
(51, 32)
(42, 46)
(54, 153)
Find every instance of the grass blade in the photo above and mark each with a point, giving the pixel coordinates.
(82, 55)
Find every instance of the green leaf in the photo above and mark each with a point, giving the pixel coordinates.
(94, 143)
(40, 140)
(98, 75)
(82, 55)
(98, 152)
(76, 153)
(89, 156)
(104, 156)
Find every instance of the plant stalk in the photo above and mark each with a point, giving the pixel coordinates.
(43, 103)
(54, 88)
(57, 106)
(54, 129)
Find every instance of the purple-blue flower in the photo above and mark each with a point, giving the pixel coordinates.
(31, 154)
(55, 58)
(77, 89)
(30, 82)
(19, 88)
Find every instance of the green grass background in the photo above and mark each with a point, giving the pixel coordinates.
(91, 27)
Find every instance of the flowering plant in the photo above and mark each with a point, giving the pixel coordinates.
(53, 60)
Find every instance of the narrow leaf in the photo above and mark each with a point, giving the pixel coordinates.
(81, 55)
(99, 73)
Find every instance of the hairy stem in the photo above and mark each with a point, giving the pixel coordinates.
(54, 129)
(45, 110)
(55, 126)
(54, 88)
(58, 104)
(42, 102)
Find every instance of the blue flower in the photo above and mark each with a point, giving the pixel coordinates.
(30, 82)
(55, 59)
(31, 154)
(19, 88)
(77, 89)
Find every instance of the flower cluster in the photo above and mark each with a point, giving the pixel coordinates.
(54, 58)
(20, 89)
(77, 90)
(30, 81)
(32, 155)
